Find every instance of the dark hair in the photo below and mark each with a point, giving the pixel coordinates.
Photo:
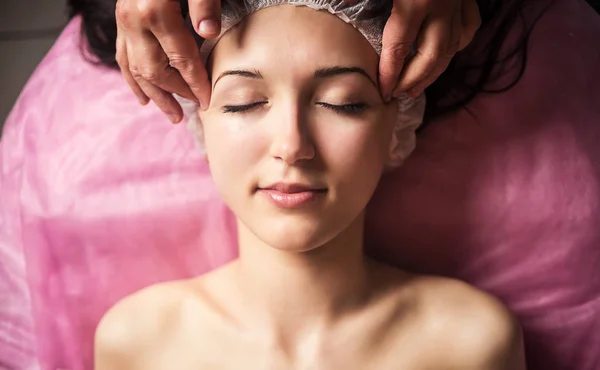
(462, 81)
(98, 28)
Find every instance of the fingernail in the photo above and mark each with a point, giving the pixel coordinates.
(208, 27)
(175, 118)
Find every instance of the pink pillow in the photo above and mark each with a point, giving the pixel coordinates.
(101, 197)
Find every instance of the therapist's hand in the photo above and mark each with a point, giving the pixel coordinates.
(158, 54)
(437, 29)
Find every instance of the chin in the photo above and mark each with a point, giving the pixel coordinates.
(294, 236)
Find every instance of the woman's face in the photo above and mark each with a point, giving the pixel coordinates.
(296, 134)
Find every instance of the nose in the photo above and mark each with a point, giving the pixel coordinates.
(291, 138)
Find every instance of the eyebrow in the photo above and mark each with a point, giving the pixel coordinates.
(319, 73)
(240, 72)
(339, 70)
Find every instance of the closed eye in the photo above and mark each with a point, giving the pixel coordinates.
(354, 108)
(242, 108)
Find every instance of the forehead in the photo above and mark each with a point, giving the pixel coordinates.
(293, 36)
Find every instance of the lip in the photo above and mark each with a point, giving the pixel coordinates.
(288, 195)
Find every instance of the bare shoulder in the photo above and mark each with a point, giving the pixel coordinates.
(475, 329)
(148, 329)
(133, 326)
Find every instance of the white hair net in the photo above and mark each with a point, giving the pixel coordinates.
(368, 17)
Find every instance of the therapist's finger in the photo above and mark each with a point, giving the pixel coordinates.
(123, 62)
(445, 56)
(148, 61)
(148, 80)
(432, 50)
(471, 21)
(206, 17)
(182, 53)
(165, 101)
(399, 36)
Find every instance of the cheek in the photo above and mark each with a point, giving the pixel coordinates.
(362, 148)
(356, 160)
(232, 155)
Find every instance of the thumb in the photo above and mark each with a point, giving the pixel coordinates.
(206, 17)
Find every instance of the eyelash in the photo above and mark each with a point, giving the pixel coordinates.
(354, 108)
(241, 108)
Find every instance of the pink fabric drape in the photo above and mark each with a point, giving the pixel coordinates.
(101, 197)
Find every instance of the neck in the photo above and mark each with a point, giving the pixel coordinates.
(294, 291)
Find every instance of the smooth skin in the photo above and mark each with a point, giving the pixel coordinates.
(286, 105)
(158, 56)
